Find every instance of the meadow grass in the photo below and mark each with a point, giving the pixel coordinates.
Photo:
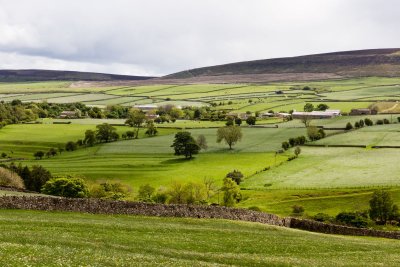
(317, 200)
(378, 135)
(332, 168)
(28, 238)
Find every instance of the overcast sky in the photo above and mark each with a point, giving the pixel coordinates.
(156, 37)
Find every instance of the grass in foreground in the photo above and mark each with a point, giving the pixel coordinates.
(70, 239)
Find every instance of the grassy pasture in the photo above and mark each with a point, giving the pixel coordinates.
(329, 201)
(155, 169)
(22, 140)
(84, 239)
(332, 168)
(378, 135)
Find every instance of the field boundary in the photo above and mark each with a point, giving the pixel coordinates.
(98, 206)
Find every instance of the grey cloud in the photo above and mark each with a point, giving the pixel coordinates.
(164, 36)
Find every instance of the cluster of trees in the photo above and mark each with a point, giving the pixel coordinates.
(292, 142)
(33, 178)
(195, 193)
(184, 143)
(320, 107)
(381, 210)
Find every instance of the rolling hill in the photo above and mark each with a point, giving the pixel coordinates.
(56, 75)
(361, 63)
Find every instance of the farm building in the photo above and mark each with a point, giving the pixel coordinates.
(243, 116)
(363, 111)
(327, 114)
(69, 115)
(146, 108)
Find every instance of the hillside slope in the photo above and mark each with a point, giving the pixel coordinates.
(72, 239)
(377, 62)
(56, 75)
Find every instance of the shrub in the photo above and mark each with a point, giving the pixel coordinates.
(357, 125)
(349, 126)
(398, 119)
(285, 145)
(301, 140)
(10, 178)
(314, 133)
(322, 217)
(297, 210)
(368, 122)
(356, 219)
(146, 193)
(386, 121)
(66, 187)
(251, 120)
(236, 176)
(3, 155)
(37, 177)
(297, 151)
(361, 123)
(114, 191)
(379, 122)
(292, 142)
(38, 155)
(71, 146)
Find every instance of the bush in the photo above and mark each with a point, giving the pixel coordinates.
(379, 122)
(297, 151)
(251, 120)
(322, 217)
(297, 210)
(361, 123)
(36, 178)
(357, 125)
(285, 145)
(356, 219)
(386, 121)
(146, 193)
(71, 146)
(349, 126)
(236, 176)
(114, 191)
(368, 122)
(314, 133)
(398, 119)
(38, 155)
(10, 178)
(66, 187)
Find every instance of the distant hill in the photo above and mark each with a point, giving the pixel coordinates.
(56, 75)
(375, 62)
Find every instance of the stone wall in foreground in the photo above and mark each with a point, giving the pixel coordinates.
(98, 206)
(137, 208)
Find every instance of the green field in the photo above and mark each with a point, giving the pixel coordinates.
(27, 238)
(380, 135)
(338, 94)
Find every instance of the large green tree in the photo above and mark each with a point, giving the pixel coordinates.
(185, 145)
(106, 133)
(381, 206)
(136, 118)
(230, 134)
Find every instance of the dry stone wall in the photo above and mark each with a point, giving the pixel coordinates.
(98, 206)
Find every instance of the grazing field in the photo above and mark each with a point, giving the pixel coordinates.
(379, 135)
(22, 140)
(338, 94)
(333, 168)
(27, 238)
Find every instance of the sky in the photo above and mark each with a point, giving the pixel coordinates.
(159, 37)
